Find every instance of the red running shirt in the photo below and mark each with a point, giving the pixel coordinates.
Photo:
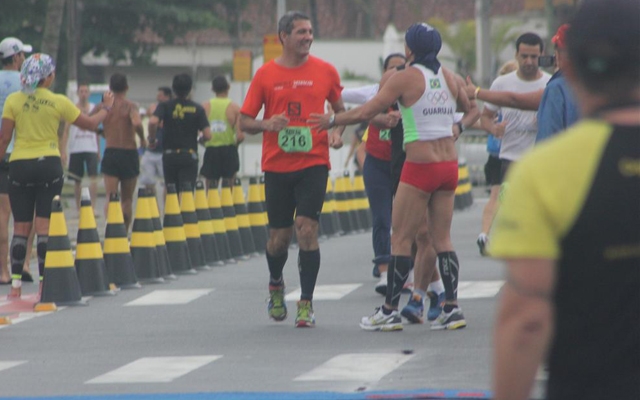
(379, 143)
(297, 92)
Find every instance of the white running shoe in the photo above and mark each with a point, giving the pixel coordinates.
(449, 320)
(381, 322)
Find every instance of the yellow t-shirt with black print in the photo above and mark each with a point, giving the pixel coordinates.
(576, 200)
(36, 118)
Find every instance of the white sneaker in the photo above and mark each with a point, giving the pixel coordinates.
(482, 242)
(381, 286)
(381, 322)
(449, 320)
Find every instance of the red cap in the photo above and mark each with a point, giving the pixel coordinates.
(560, 38)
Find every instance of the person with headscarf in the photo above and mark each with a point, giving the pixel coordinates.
(428, 97)
(35, 168)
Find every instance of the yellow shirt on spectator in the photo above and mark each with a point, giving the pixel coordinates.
(36, 118)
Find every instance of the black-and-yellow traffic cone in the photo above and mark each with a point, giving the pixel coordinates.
(355, 218)
(343, 205)
(90, 266)
(256, 216)
(60, 284)
(117, 254)
(231, 223)
(244, 226)
(191, 229)
(174, 234)
(205, 224)
(361, 201)
(219, 228)
(326, 219)
(164, 263)
(143, 243)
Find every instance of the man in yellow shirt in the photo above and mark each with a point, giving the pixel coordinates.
(221, 158)
(569, 229)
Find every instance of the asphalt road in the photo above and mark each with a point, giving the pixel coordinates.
(208, 336)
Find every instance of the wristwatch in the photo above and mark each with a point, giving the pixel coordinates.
(460, 126)
(332, 120)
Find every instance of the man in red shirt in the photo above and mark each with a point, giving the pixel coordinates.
(295, 157)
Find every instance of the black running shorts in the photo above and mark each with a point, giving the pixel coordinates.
(122, 163)
(300, 192)
(180, 168)
(33, 184)
(77, 163)
(493, 171)
(220, 162)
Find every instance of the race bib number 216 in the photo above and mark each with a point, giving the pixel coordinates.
(295, 139)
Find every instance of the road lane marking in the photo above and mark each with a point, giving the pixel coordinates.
(478, 289)
(326, 292)
(154, 369)
(10, 364)
(364, 367)
(169, 297)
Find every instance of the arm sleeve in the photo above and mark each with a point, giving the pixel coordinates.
(255, 96)
(68, 110)
(551, 114)
(359, 95)
(524, 226)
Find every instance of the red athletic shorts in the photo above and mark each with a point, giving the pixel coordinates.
(430, 177)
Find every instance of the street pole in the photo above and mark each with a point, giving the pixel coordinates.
(72, 57)
(282, 8)
(549, 10)
(483, 43)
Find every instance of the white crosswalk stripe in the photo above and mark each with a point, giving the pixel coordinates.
(169, 297)
(364, 367)
(10, 364)
(326, 292)
(154, 369)
(478, 289)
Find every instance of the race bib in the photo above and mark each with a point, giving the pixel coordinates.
(385, 135)
(218, 126)
(295, 139)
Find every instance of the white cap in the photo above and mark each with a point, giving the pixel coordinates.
(10, 46)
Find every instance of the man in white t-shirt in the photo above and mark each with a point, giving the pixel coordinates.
(83, 147)
(520, 127)
(517, 128)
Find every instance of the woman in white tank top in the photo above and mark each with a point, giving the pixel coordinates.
(428, 96)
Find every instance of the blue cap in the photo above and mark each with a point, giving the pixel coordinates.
(425, 43)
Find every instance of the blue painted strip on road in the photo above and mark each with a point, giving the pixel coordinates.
(381, 395)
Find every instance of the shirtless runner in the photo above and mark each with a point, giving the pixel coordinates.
(120, 163)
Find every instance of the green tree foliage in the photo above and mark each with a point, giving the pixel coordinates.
(24, 19)
(112, 27)
(461, 40)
